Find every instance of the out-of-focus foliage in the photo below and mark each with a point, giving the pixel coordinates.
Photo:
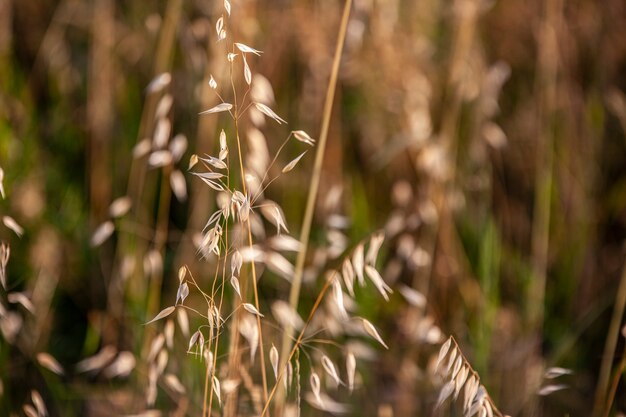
(486, 138)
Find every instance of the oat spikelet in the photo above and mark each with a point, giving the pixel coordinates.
(122, 366)
(120, 206)
(246, 49)
(351, 370)
(216, 389)
(5, 252)
(183, 292)
(251, 309)
(338, 296)
(218, 109)
(291, 165)
(269, 113)
(42, 411)
(372, 251)
(330, 369)
(378, 281)
(174, 383)
(371, 330)
(274, 360)
(347, 273)
(234, 282)
(30, 411)
(164, 313)
(102, 233)
(247, 74)
(443, 352)
(47, 361)
(358, 262)
(316, 386)
(97, 361)
(303, 137)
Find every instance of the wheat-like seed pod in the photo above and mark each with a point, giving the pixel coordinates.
(458, 373)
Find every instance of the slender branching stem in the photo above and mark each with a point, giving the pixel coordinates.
(249, 232)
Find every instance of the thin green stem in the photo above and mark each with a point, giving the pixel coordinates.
(614, 384)
(602, 389)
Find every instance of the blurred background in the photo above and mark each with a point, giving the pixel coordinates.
(486, 138)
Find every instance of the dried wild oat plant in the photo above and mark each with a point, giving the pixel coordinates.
(236, 243)
(459, 375)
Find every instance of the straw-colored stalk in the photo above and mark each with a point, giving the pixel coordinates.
(296, 283)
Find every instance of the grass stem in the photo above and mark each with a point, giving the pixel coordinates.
(602, 397)
(296, 283)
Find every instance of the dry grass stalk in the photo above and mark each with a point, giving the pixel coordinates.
(294, 293)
